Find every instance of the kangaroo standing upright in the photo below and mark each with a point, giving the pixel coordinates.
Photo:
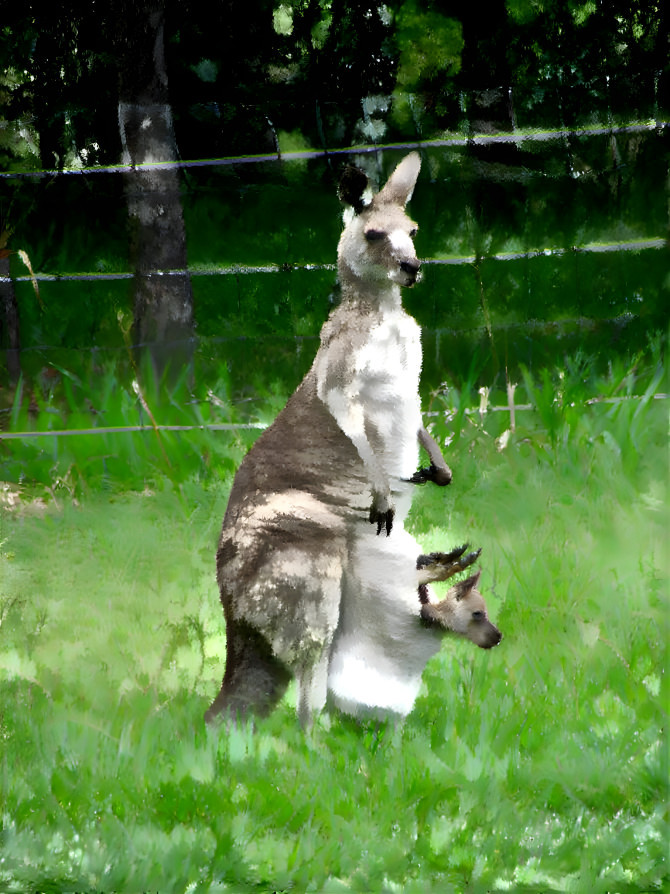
(318, 578)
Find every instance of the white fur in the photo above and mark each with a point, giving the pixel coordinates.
(382, 393)
(381, 648)
(401, 242)
(375, 395)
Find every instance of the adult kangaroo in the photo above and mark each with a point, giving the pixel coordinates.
(318, 578)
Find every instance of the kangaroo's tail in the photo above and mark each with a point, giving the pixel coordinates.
(254, 680)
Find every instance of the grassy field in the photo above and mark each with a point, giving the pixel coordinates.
(538, 767)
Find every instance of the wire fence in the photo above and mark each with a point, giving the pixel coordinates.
(511, 407)
(247, 270)
(455, 140)
(516, 138)
(449, 141)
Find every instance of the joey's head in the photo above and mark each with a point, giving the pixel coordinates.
(376, 249)
(463, 611)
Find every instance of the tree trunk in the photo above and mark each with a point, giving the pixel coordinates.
(11, 318)
(163, 299)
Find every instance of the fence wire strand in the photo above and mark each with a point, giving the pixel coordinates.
(511, 408)
(455, 140)
(246, 270)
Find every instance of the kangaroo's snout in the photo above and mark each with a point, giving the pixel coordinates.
(411, 268)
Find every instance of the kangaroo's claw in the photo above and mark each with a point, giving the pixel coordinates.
(382, 519)
(441, 558)
(441, 477)
(419, 477)
(442, 566)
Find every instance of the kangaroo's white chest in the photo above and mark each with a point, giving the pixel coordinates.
(368, 376)
(386, 377)
(388, 365)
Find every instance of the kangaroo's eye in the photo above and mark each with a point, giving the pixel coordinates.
(478, 616)
(374, 235)
(413, 232)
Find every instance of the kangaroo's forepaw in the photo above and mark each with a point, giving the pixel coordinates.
(444, 558)
(441, 566)
(383, 519)
(441, 477)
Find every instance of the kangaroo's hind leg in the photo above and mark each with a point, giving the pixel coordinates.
(303, 639)
(280, 624)
(254, 680)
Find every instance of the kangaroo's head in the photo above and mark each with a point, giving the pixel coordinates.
(376, 249)
(463, 611)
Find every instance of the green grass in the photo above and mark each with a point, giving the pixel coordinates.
(538, 767)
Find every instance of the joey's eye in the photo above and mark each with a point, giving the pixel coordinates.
(478, 616)
(374, 235)
(413, 232)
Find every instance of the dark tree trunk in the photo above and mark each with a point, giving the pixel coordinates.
(10, 312)
(163, 297)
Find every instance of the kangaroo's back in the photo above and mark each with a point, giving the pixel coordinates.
(304, 449)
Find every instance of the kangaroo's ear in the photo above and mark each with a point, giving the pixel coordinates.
(400, 185)
(353, 184)
(463, 587)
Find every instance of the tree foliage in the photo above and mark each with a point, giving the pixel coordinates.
(237, 76)
(290, 74)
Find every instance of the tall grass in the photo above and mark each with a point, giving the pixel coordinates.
(97, 398)
(538, 767)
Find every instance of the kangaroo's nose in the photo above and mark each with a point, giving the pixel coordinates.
(410, 267)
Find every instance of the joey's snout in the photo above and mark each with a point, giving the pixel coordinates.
(488, 638)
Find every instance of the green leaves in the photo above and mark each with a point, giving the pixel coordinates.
(430, 44)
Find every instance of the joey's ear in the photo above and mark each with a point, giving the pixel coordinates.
(353, 184)
(400, 185)
(463, 587)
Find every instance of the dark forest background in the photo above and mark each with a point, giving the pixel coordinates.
(543, 194)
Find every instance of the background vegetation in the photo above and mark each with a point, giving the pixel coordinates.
(556, 81)
(539, 767)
